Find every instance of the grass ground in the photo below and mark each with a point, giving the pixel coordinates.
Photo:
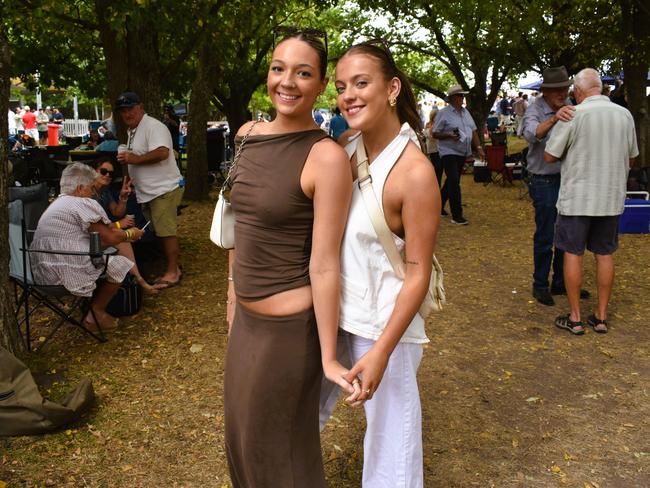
(508, 400)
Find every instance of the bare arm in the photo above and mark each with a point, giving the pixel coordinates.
(109, 236)
(476, 145)
(231, 297)
(549, 158)
(328, 178)
(155, 156)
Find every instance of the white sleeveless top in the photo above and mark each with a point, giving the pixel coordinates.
(369, 286)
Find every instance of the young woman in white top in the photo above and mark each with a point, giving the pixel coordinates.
(379, 319)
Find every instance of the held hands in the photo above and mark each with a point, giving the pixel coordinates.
(454, 135)
(337, 374)
(370, 369)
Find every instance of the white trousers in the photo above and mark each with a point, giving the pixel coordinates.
(392, 447)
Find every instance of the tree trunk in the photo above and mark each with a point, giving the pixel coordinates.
(635, 26)
(236, 110)
(132, 63)
(197, 184)
(9, 338)
(144, 65)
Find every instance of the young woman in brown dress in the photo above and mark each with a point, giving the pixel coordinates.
(290, 193)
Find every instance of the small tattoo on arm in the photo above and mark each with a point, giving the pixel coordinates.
(412, 262)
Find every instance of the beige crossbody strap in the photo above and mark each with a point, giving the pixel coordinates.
(374, 211)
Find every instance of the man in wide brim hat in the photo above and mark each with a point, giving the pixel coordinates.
(455, 90)
(457, 137)
(544, 182)
(556, 78)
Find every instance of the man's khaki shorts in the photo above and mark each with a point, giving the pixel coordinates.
(161, 211)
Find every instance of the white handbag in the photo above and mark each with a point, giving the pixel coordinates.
(222, 231)
(435, 297)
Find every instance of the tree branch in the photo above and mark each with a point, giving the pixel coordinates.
(66, 18)
(194, 41)
(426, 87)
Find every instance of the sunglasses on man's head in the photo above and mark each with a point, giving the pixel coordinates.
(104, 172)
(283, 31)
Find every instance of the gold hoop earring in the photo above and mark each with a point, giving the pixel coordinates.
(392, 101)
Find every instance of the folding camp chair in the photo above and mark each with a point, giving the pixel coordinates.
(496, 157)
(29, 295)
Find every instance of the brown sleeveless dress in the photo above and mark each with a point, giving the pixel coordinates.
(273, 364)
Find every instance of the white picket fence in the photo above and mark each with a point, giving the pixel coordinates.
(78, 127)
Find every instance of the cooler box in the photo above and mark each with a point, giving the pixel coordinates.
(636, 216)
(481, 172)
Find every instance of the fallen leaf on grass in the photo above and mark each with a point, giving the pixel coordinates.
(533, 399)
(605, 352)
(196, 348)
(127, 467)
(3, 484)
(593, 396)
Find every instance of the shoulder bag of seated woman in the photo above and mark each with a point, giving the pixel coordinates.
(435, 297)
(222, 231)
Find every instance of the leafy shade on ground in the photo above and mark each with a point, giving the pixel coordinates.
(508, 400)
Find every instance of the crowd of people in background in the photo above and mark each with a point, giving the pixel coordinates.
(32, 122)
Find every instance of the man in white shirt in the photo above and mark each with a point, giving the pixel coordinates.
(158, 181)
(11, 119)
(596, 147)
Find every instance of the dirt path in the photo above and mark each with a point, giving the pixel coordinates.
(508, 400)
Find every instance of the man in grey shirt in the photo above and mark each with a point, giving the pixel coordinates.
(544, 181)
(455, 129)
(597, 148)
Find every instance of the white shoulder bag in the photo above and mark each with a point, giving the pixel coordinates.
(435, 297)
(222, 232)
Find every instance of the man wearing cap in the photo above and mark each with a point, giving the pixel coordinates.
(597, 148)
(544, 181)
(157, 179)
(456, 130)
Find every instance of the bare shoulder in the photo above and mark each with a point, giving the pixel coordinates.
(327, 152)
(243, 130)
(415, 168)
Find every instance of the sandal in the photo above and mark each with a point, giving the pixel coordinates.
(596, 324)
(146, 287)
(565, 322)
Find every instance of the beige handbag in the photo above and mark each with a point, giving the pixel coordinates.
(435, 297)
(222, 231)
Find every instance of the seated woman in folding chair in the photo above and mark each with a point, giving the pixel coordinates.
(66, 226)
